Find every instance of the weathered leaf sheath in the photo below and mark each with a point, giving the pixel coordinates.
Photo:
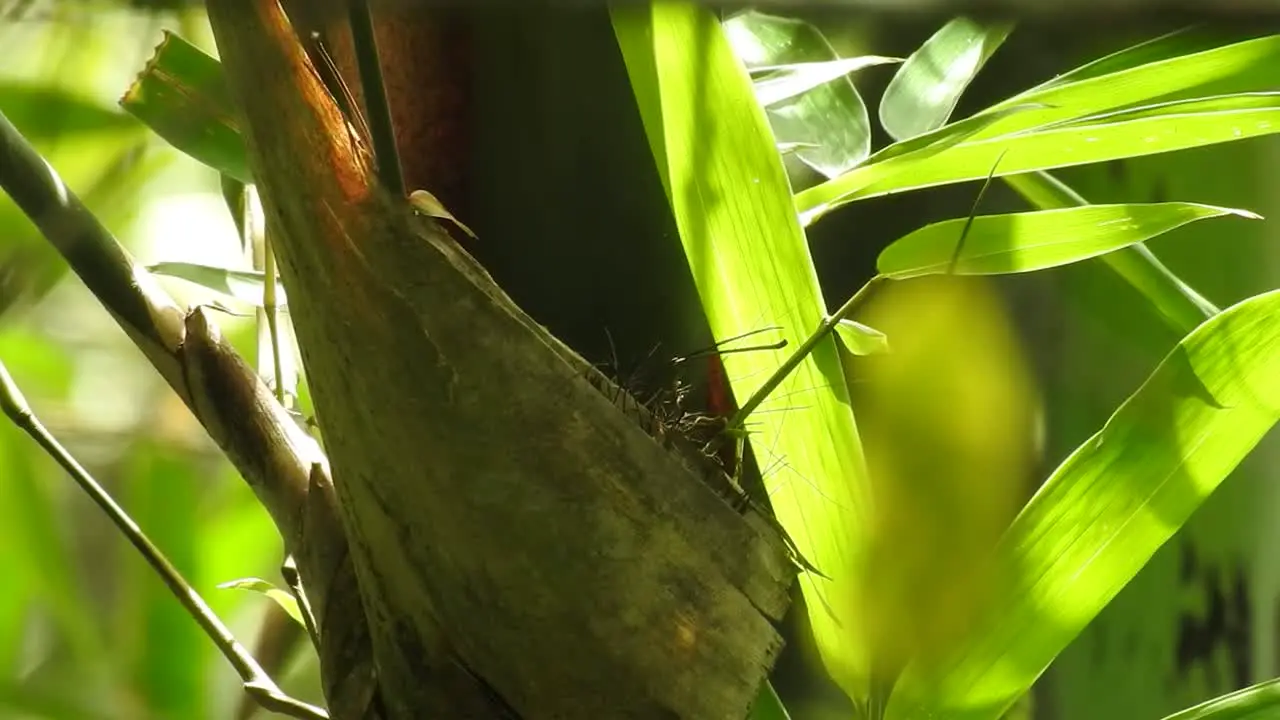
(523, 548)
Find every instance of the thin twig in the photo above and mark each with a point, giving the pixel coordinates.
(256, 681)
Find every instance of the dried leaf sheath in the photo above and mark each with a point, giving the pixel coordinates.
(521, 545)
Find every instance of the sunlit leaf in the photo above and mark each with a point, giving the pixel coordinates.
(1181, 307)
(860, 339)
(925, 90)
(831, 117)
(285, 600)
(902, 156)
(1242, 67)
(243, 285)
(1023, 242)
(1186, 41)
(1106, 510)
(784, 82)
(1128, 133)
(1257, 702)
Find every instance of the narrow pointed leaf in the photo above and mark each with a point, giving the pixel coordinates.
(243, 285)
(897, 158)
(925, 90)
(1129, 133)
(1257, 702)
(1179, 43)
(1023, 242)
(749, 259)
(1106, 510)
(787, 81)
(286, 601)
(1248, 66)
(1177, 302)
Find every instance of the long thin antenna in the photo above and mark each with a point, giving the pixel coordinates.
(718, 348)
(973, 212)
(338, 87)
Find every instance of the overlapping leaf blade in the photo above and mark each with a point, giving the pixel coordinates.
(1172, 126)
(787, 81)
(829, 119)
(1248, 66)
(925, 90)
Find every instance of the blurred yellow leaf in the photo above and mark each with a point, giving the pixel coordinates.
(948, 419)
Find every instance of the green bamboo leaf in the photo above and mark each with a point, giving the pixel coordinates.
(1177, 125)
(749, 259)
(761, 39)
(1179, 43)
(1106, 510)
(182, 95)
(243, 285)
(1257, 702)
(1242, 67)
(860, 339)
(286, 601)
(903, 156)
(790, 147)
(1177, 302)
(1023, 242)
(784, 82)
(923, 93)
(831, 117)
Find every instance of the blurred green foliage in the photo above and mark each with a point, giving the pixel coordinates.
(87, 630)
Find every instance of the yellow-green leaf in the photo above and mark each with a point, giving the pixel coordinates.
(243, 285)
(1023, 242)
(860, 339)
(285, 600)
(1149, 130)
(732, 203)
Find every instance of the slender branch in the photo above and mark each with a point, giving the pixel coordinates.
(375, 98)
(256, 681)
